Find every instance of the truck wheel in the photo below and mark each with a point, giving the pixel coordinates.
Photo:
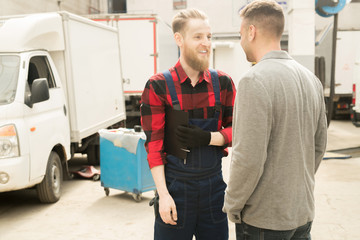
(49, 190)
(93, 154)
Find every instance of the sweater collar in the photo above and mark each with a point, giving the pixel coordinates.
(276, 54)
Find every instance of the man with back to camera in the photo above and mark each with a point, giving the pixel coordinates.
(190, 190)
(279, 135)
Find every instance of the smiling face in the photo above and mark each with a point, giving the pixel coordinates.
(195, 44)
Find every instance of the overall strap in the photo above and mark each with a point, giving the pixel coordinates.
(171, 86)
(216, 86)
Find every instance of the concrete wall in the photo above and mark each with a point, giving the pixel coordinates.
(301, 32)
(80, 7)
(224, 21)
(221, 21)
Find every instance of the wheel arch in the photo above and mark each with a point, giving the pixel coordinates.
(60, 150)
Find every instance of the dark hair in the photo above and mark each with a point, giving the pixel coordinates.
(265, 14)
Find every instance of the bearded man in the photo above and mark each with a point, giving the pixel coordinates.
(190, 190)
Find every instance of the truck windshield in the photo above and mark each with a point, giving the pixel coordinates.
(9, 72)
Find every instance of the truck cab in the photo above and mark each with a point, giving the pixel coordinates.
(34, 129)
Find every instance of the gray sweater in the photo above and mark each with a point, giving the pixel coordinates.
(279, 139)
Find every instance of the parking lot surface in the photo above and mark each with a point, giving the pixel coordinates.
(84, 212)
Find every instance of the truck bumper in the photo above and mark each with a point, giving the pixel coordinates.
(343, 105)
(342, 108)
(14, 173)
(355, 118)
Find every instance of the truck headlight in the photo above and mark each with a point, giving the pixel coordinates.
(9, 146)
(4, 178)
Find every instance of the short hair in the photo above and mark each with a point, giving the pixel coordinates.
(182, 17)
(265, 14)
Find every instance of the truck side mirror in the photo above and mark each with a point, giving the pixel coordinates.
(39, 92)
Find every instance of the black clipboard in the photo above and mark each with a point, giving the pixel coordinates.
(173, 119)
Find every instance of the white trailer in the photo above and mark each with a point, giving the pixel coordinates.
(147, 47)
(347, 41)
(355, 113)
(60, 83)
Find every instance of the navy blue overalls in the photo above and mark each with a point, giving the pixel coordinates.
(196, 184)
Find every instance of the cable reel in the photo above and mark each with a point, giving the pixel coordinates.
(328, 8)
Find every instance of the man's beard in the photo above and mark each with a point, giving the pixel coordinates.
(194, 61)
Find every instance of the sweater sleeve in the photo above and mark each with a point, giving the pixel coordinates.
(321, 133)
(251, 132)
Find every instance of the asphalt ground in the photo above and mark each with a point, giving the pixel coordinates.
(84, 212)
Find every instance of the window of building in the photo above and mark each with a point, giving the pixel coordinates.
(179, 4)
(117, 6)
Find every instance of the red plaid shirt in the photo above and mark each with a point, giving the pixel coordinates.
(199, 101)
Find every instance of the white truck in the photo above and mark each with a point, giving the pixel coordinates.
(355, 112)
(147, 47)
(347, 42)
(60, 82)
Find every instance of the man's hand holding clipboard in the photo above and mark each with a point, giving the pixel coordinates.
(174, 119)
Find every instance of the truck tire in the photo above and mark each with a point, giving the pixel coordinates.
(93, 154)
(49, 190)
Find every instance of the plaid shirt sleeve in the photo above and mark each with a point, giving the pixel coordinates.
(153, 123)
(227, 96)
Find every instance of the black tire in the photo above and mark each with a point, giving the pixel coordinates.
(93, 155)
(49, 190)
(96, 177)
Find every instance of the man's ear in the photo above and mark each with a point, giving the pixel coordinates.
(178, 39)
(251, 32)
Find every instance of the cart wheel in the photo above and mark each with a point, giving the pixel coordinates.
(96, 177)
(137, 197)
(107, 191)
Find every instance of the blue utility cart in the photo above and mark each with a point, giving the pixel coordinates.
(123, 162)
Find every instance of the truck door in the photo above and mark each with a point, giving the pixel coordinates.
(138, 52)
(45, 120)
